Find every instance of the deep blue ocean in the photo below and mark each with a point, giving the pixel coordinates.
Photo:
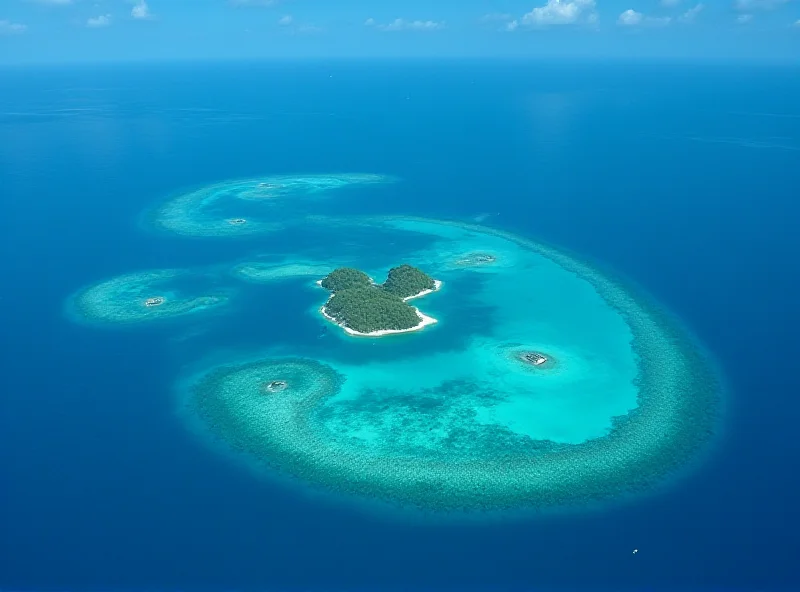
(683, 178)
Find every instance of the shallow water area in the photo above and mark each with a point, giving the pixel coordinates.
(454, 409)
(248, 207)
(146, 296)
(267, 272)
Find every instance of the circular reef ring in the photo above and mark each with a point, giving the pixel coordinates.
(677, 411)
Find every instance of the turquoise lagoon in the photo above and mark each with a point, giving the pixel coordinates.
(449, 418)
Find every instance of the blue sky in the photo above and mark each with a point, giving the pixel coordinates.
(108, 30)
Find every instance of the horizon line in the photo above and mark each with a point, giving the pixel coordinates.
(543, 60)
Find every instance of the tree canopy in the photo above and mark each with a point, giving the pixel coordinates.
(367, 309)
(405, 281)
(344, 278)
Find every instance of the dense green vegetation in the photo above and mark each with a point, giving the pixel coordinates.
(369, 308)
(405, 281)
(359, 304)
(345, 278)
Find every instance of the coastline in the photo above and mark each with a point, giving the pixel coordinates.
(436, 285)
(425, 320)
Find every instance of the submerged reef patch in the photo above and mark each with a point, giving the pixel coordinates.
(458, 431)
(220, 209)
(146, 296)
(260, 272)
(476, 259)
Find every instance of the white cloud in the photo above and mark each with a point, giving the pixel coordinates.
(630, 18)
(285, 20)
(9, 28)
(141, 10)
(558, 12)
(690, 15)
(743, 19)
(797, 23)
(749, 5)
(99, 21)
(404, 25)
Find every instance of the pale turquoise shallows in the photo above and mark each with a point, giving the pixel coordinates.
(226, 209)
(124, 299)
(259, 272)
(625, 398)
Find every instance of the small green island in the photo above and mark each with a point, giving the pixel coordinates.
(361, 307)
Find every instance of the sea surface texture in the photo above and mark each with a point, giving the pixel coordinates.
(176, 412)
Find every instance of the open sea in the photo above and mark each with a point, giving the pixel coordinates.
(681, 178)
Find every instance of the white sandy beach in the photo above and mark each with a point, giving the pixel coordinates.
(425, 320)
(436, 285)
